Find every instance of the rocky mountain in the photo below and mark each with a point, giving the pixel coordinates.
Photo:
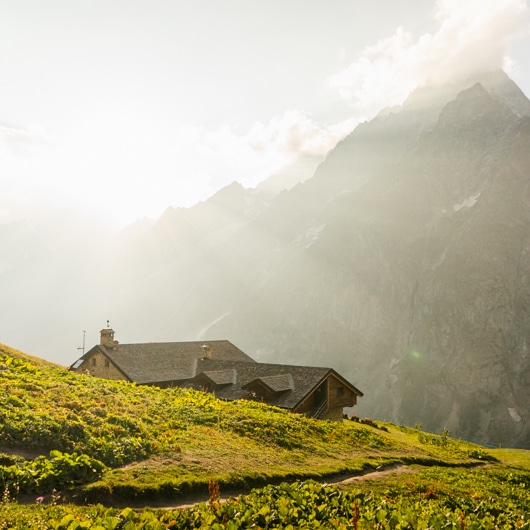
(403, 262)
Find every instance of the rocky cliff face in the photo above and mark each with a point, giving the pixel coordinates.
(464, 363)
(403, 263)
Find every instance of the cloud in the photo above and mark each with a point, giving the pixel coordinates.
(383, 75)
(43, 181)
(122, 174)
(21, 142)
(472, 36)
(120, 179)
(21, 156)
(224, 155)
(294, 134)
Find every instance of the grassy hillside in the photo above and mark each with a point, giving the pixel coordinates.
(70, 438)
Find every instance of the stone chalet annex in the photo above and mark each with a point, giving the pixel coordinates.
(221, 368)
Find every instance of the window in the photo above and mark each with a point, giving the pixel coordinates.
(107, 363)
(94, 361)
(340, 391)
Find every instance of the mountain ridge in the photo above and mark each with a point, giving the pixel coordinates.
(486, 129)
(403, 262)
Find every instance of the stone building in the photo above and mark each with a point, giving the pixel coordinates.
(221, 368)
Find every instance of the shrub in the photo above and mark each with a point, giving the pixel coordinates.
(43, 475)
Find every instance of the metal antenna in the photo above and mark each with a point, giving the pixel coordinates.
(83, 347)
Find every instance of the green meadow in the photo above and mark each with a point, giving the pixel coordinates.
(78, 452)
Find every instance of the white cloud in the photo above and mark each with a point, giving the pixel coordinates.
(22, 152)
(473, 36)
(294, 134)
(383, 75)
(20, 142)
(224, 155)
(142, 172)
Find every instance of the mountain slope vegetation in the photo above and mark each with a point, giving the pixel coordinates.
(67, 438)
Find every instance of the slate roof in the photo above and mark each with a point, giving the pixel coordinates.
(219, 377)
(275, 383)
(158, 362)
(302, 380)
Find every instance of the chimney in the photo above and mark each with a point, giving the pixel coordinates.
(107, 338)
(207, 351)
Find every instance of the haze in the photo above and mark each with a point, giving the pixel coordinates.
(114, 110)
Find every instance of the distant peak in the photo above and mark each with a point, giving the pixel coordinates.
(496, 83)
(228, 191)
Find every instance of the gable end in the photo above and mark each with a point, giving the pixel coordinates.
(98, 364)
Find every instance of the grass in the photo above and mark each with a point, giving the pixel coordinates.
(152, 447)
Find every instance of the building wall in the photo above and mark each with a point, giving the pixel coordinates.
(306, 405)
(334, 414)
(99, 366)
(258, 392)
(339, 395)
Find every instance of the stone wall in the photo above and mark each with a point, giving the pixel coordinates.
(98, 365)
(334, 415)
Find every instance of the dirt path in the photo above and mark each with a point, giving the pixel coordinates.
(192, 500)
(24, 453)
(380, 472)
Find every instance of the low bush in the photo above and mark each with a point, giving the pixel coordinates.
(58, 472)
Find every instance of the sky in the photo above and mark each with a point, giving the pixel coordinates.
(114, 110)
